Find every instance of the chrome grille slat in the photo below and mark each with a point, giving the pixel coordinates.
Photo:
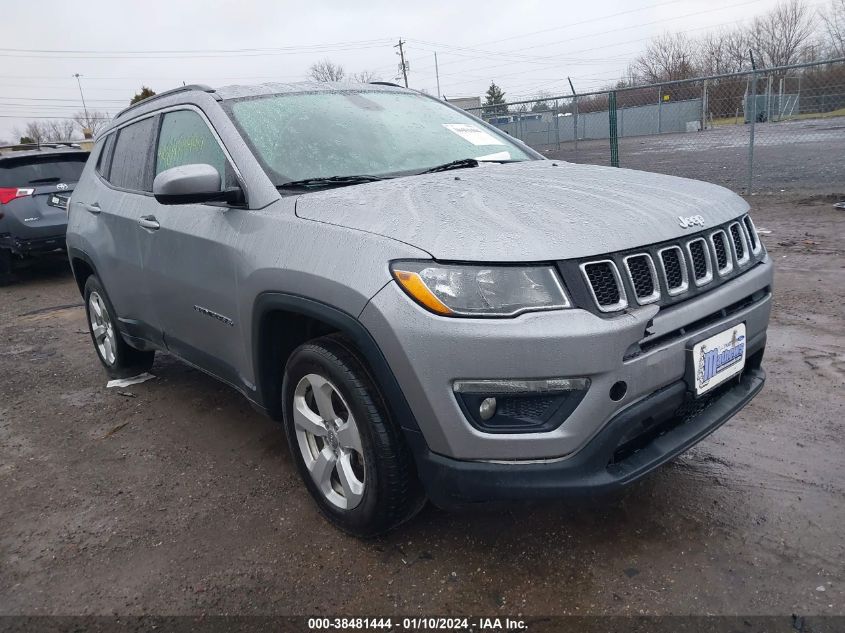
(674, 269)
(752, 235)
(605, 284)
(740, 247)
(722, 252)
(702, 267)
(643, 277)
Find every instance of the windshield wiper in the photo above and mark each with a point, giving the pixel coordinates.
(461, 163)
(308, 183)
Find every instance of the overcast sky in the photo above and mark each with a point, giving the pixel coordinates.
(525, 46)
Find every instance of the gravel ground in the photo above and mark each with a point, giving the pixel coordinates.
(175, 497)
(803, 156)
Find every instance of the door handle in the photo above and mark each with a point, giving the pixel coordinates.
(92, 208)
(149, 222)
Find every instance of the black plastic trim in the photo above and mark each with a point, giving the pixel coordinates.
(567, 402)
(347, 324)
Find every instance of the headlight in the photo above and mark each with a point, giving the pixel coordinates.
(500, 291)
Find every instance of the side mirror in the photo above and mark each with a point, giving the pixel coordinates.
(191, 184)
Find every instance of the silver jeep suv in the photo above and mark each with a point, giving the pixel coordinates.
(431, 308)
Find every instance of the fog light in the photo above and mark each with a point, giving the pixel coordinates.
(487, 409)
(519, 406)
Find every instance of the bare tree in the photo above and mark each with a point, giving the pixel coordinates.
(722, 52)
(326, 70)
(95, 121)
(783, 35)
(667, 58)
(366, 76)
(50, 131)
(60, 130)
(833, 21)
(35, 130)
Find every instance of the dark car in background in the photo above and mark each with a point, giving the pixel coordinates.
(35, 185)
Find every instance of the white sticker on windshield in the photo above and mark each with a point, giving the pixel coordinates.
(472, 133)
(493, 157)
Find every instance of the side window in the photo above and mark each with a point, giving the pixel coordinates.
(130, 157)
(104, 161)
(185, 139)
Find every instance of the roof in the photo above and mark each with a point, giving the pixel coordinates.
(239, 91)
(44, 151)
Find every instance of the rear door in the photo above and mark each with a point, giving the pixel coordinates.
(114, 209)
(190, 259)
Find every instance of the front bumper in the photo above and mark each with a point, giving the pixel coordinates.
(664, 425)
(427, 353)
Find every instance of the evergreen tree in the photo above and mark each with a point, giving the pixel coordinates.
(493, 100)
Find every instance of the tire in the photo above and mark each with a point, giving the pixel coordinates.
(364, 480)
(119, 359)
(6, 266)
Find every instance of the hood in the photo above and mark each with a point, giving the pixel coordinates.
(522, 212)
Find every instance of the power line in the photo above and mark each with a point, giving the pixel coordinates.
(72, 100)
(189, 54)
(624, 28)
(202, 50)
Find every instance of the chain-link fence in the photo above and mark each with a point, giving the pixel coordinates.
(762, 130)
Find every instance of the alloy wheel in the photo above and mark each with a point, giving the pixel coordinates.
(329, 441)
(102, 328)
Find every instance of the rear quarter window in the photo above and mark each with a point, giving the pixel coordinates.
(130, 161)
(41, 170)
(106, 153)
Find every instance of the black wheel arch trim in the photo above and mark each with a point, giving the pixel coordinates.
(347, 324)
(73, 254)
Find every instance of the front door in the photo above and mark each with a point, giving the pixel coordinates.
(189, 256)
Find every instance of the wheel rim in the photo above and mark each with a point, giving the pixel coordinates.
(102, 329)
(329, 441)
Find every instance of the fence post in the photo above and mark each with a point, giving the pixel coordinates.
(614, 137)
(575, 122)
(751, 134)
(557, 124)
(704, 106)
(659, 107)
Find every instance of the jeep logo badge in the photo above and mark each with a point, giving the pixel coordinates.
(690, 221)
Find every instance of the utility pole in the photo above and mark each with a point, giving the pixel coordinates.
(402, 56)
(574, 115)
(84, 107)
(437, 73)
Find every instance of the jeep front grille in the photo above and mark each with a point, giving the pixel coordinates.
(739, 243)
(674, 269)
(702, 269)
(723, 256)
(643, 277)
(605, 285)
(670, 272)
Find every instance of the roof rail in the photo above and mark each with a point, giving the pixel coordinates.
(386, 83)
(166, 93)
(47, 144)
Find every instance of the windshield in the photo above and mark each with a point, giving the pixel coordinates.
(324, 134)
(33, 170)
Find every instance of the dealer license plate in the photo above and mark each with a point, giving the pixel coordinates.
(718, 358)
(58, 201)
